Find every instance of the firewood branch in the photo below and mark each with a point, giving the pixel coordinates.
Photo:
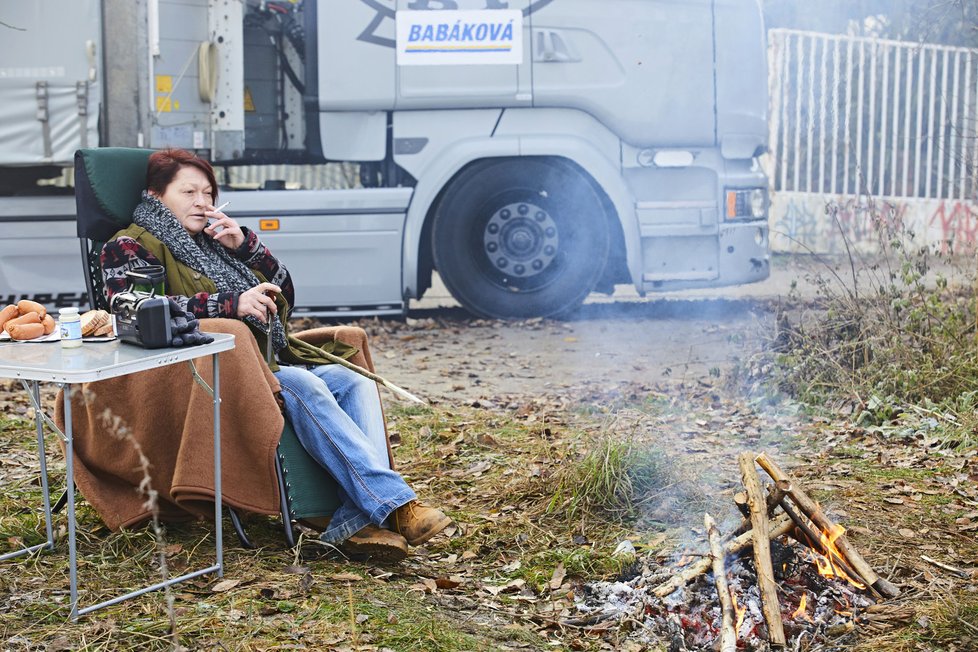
(818, 517)
(779, 528)
(770, 604)
(728, 631)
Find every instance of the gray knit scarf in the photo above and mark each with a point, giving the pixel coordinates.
(203, 254)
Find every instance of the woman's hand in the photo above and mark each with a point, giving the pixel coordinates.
(258, 301)
(223, 229)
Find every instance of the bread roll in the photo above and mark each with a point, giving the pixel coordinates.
(25, 331)
(8, 313)
(25, 306)
(29, 318)
(49, 324)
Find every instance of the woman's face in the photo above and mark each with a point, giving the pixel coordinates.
(188, 196)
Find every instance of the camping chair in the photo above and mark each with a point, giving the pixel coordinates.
(108, 186)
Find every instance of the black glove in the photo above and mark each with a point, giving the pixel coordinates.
(185, 328)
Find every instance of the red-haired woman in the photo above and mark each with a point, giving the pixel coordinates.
(221, 269)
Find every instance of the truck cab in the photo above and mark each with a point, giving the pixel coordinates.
(528, 151)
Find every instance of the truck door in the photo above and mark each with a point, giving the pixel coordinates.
(449, 77)
(644, 69)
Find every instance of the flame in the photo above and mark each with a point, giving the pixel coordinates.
(826, 567)
(801, 611)
(738, 610)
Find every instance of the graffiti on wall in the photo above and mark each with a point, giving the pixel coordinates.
(812, 223)
(955, 226)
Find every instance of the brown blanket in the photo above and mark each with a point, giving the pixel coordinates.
(171, 418)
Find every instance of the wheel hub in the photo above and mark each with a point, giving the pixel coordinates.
(521, 239)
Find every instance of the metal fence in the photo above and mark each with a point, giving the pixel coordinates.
(857, 116)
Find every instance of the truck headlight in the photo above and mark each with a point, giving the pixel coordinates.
(746, 203)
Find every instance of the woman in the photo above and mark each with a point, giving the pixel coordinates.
(221, 269)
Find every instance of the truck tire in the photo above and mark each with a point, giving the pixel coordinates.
(514, 239)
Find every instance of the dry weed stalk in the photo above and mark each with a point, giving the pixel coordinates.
(117, 428)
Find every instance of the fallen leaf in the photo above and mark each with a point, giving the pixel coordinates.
(225, 585)
(893, 501)
(909, 534)
(479, 468)
(557, 579)
(346, 577)
(448, 582)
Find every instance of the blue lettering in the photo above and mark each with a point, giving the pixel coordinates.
(454, 35)
(495, 31)
(429, 33)
(481, 32)
(508, 32)
(442, 33)
(467, 33)
(415, 33)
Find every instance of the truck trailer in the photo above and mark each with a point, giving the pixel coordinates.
(529, 151)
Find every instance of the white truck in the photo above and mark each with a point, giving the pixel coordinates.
(529, 151)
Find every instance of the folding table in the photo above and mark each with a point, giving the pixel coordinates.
(47, 362)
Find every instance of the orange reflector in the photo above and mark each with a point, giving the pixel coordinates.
(268, 225)
(731, 204)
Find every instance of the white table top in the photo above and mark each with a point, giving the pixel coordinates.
(48, 361)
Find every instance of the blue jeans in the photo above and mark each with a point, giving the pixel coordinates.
(337, 417)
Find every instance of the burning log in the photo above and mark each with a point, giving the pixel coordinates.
(762, 550)
(779, 528)
(809, 537)
(818, 517)
(728, 632)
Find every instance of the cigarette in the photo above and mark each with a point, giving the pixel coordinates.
(222, 207)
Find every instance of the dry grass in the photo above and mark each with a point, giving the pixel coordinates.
(312, 598)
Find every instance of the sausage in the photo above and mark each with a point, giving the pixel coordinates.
(25, 306)
(25, 331)
(8, 313)
(49, 324)
(29, 318)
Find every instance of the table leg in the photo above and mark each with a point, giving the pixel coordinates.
(39, 422)
(34, 390)
(218, 495)
(70, 473)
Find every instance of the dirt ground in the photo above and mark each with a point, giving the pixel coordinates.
(441, 353)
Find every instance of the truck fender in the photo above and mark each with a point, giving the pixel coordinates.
(450, 161)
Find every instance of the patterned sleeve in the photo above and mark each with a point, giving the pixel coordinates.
(124, 253)
(258, 257)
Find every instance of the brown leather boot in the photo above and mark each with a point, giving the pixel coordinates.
(417, 522)
(376, 544)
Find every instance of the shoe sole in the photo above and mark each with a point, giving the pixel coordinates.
(423, 538)
(374, 551)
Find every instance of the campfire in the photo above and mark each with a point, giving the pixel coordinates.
(803, 583)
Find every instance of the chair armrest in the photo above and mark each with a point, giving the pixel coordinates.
(352, 335)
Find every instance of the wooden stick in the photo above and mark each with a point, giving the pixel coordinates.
(740, 500)
(770, 604)
(403, 393)
(814, 541)
(728, 631)
(700, 566)
(951, 569)
(775, 495)
(818, 517)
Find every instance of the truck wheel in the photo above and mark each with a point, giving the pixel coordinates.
(520, 239)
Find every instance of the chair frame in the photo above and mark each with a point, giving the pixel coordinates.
(91, 251)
